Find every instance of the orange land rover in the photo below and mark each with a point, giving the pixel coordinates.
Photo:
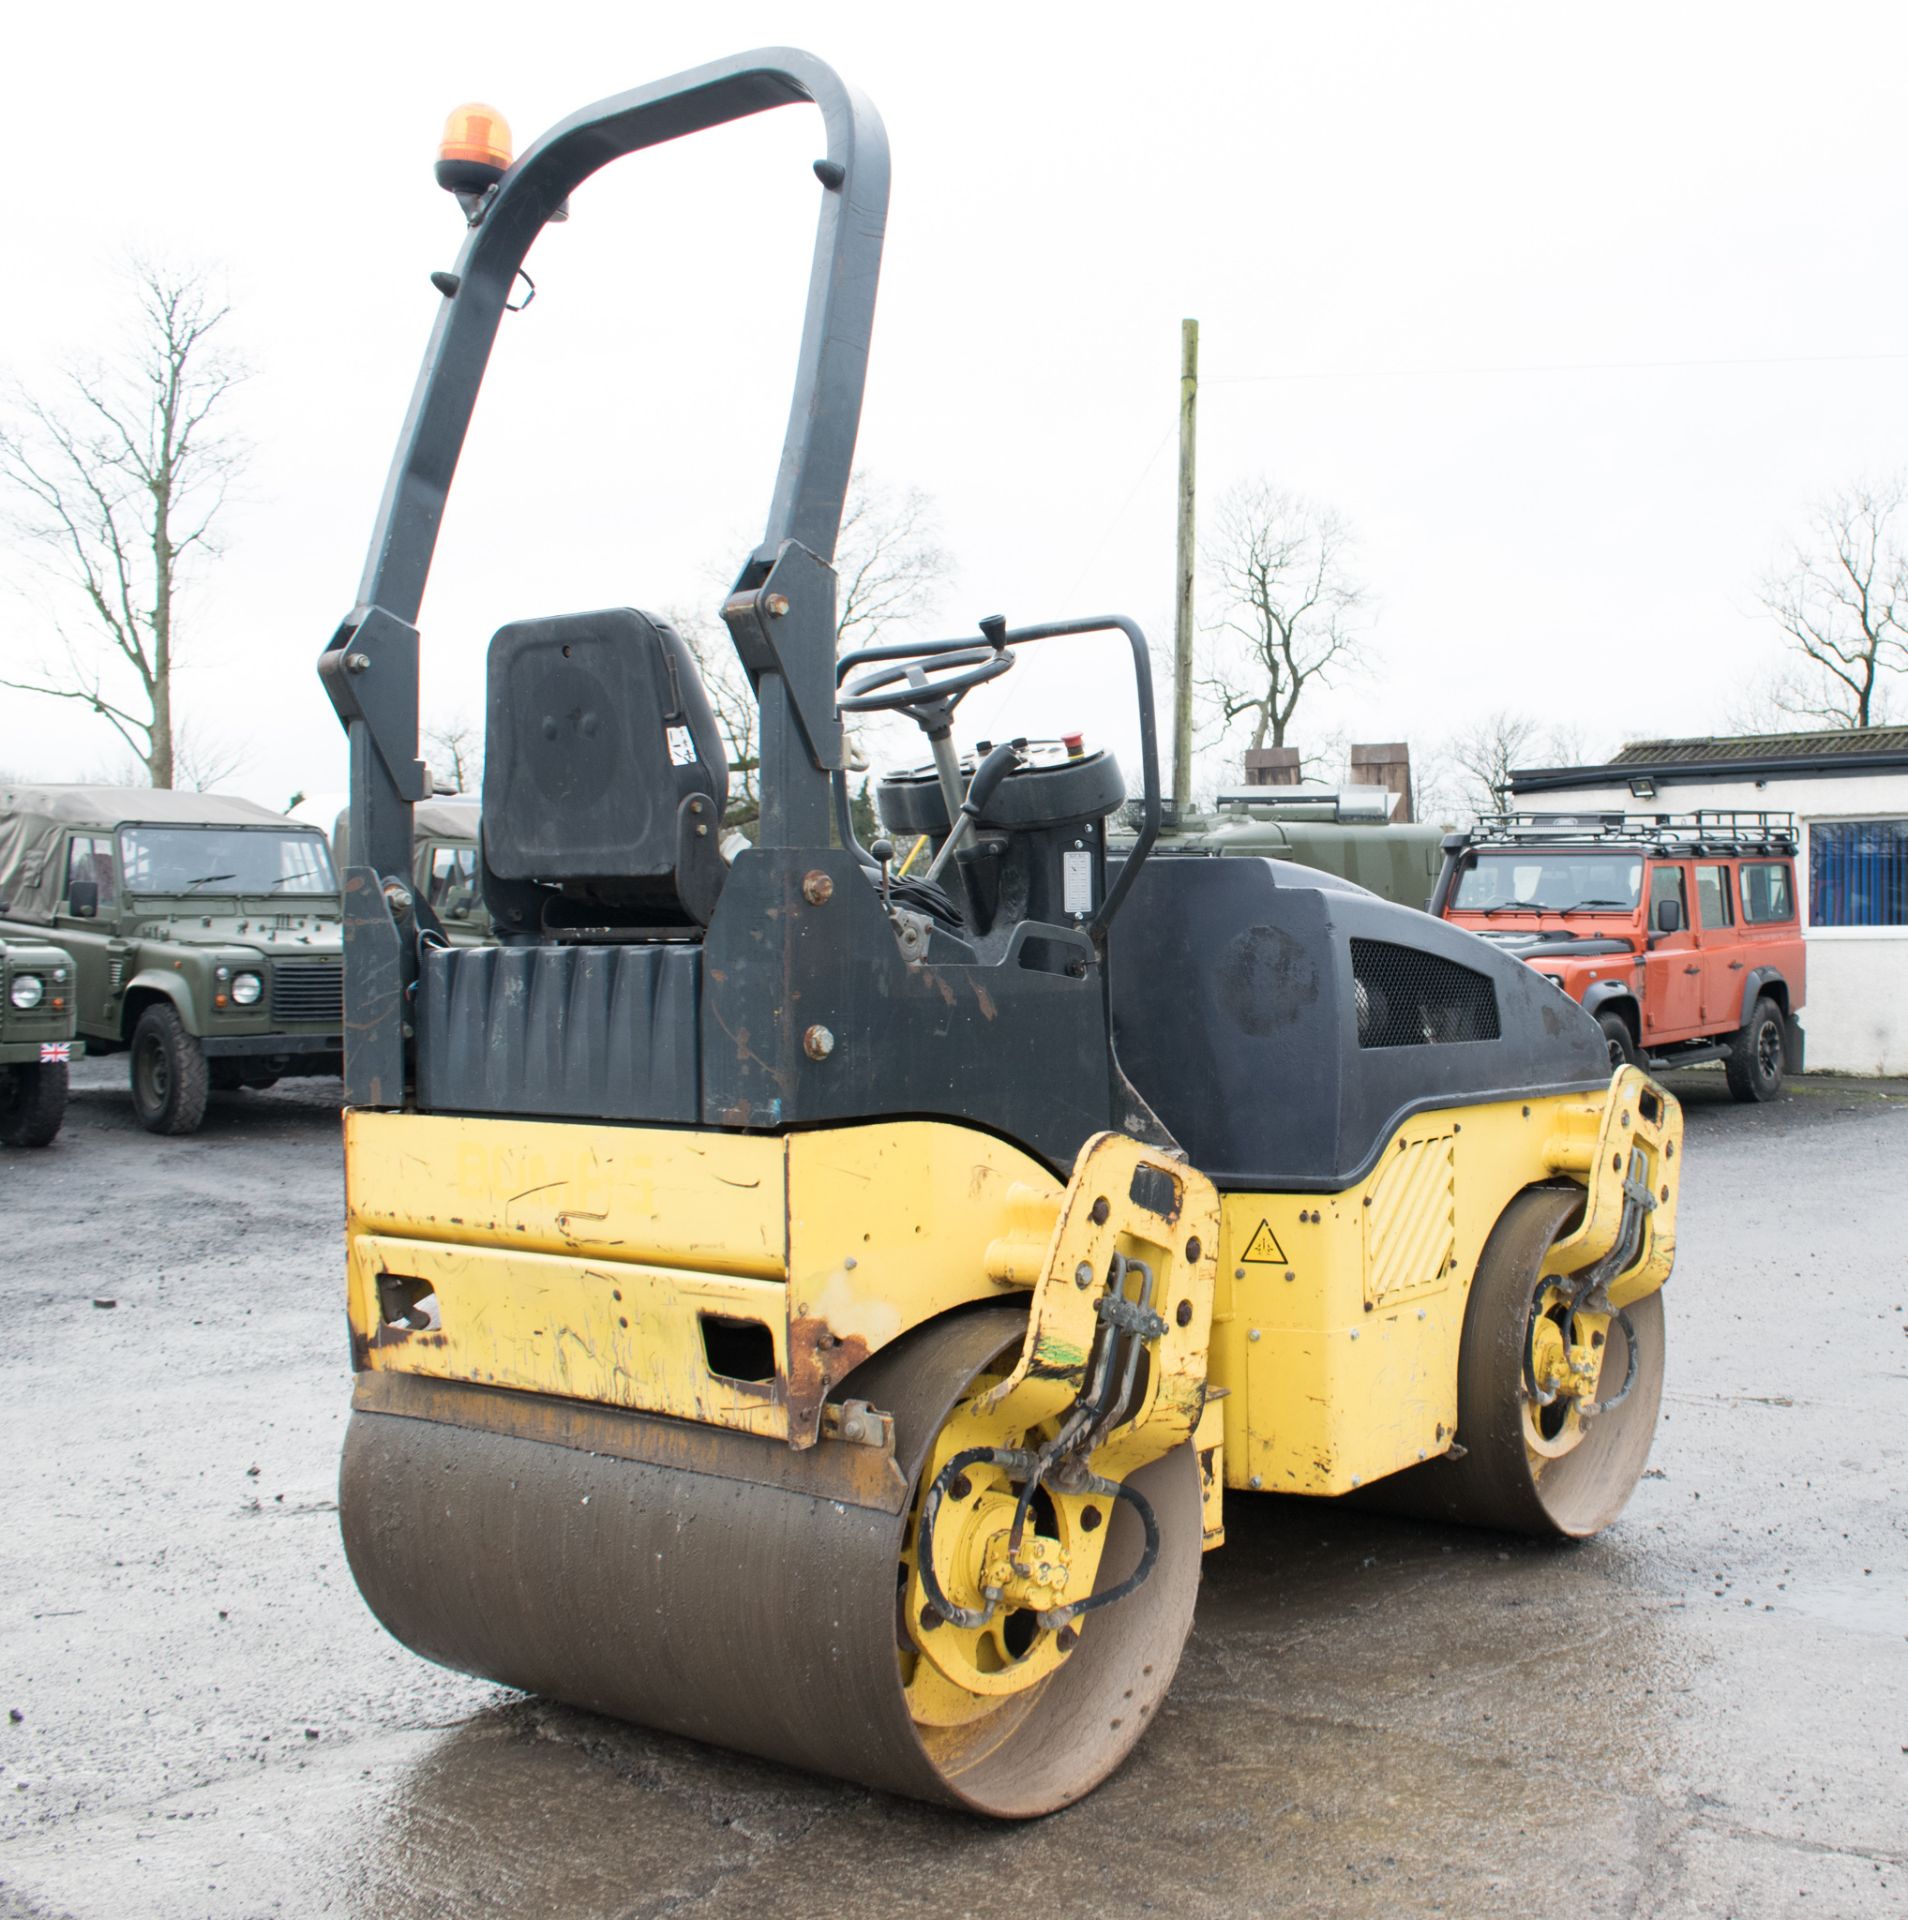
(1680, 932)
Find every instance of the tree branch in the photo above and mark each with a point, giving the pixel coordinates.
(1284, 570)
(1839, 603)
(124, 486)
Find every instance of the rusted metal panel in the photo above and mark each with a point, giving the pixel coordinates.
(605, 1331)
(703, 1202)
(858, 1476)
(583, 1260)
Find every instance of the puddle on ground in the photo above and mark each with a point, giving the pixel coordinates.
(1856, 1606)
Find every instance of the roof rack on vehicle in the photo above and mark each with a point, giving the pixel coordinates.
(1349, 806)
(1707, 830)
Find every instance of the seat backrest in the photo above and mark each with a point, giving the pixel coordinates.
(598, 734)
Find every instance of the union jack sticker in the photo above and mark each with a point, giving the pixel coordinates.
(55, 1053)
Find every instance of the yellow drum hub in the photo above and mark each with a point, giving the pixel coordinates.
(1567, 1351)
(955, 1673)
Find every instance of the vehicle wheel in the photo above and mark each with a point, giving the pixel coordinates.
(32, 1104)
(169, 1079)
(1525, 1467)
(1759, 1055)
(634, 1597)
(1624, 1051)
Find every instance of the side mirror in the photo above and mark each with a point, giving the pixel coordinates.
(82, 898)
(1669, 916)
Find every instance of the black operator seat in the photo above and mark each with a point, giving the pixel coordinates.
(605, 779)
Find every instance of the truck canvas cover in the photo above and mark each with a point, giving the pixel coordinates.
(448, 817)
(33, 818)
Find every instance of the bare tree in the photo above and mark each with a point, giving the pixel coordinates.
(1842, 603)
(1767, 702)
(1438, 788)
(454, 746)
(200, 762)
(1563, 744)
(117, 486)
(737, 717)
(1476, 764)
(1484, 754)
(890, 565)
(1294, 608)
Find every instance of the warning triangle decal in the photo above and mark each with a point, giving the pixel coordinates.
(1265, 1246)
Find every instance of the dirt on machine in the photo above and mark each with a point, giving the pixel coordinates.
(824, 1309)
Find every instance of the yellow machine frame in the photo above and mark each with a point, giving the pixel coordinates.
(1312, 1339)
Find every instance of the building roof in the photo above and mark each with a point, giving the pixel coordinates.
(1829, 750)
(1865, 741)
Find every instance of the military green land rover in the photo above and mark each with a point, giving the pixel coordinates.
(203, 933)
(36, 1040)
(1343, 830)
(443, 866)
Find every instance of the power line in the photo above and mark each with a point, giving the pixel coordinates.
(1547, 367)
(1106, 531)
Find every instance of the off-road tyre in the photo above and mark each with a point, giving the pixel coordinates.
(1624, 1052)
(1758, 1055)
(169, 1078)
(32, 1104)
(1496, 1477)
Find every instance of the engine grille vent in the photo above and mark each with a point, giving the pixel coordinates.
(1407, 998)
(304, 990)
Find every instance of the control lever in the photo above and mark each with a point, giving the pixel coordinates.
(981, 789)
(882, 852)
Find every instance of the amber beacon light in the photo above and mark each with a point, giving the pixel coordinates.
(475, 149)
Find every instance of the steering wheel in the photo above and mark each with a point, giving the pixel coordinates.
(926, 686)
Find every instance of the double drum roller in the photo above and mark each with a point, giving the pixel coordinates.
(779, 1621)
(780, 1316)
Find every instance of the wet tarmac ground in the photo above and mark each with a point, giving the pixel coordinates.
(1705, 1712)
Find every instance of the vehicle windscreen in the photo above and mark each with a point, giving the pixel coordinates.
(211, 860)
(1549, 880)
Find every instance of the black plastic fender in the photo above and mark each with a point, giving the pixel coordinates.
(1620, 994)
(1756, 983)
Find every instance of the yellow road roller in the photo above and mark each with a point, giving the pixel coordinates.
(820, 1301)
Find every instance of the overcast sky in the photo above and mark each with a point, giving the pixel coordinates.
(1569, 311)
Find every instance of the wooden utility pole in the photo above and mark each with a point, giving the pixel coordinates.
(1183, 614)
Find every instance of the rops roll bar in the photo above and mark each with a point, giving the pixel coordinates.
(370, 666)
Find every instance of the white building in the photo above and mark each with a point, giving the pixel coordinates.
(1848, 791)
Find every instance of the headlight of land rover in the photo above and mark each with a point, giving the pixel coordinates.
(246, 987)
(27, 991)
